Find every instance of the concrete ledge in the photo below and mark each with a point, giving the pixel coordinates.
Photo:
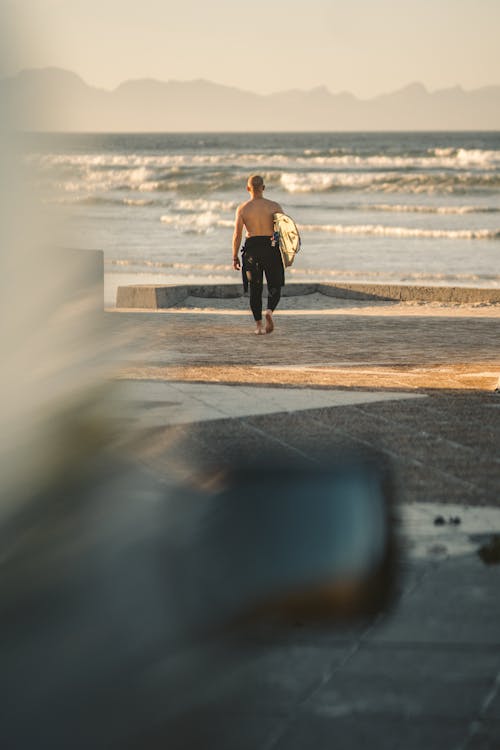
(150, 296)
(156, 296)
(159, 296)
(403, 293)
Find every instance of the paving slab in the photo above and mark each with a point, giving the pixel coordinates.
(404, 433)
(417, 684)
(453, 605)
(414, 677)
(271, 679)
(160, 403)
(484, 736)
(424, 674)
(349, 344)
(377, 733)
(211, 729)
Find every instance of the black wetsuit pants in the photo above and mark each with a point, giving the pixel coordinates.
(259, 258)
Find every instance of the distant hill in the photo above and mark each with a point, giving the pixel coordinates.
(58, 100)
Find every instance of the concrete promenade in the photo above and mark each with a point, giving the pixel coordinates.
(414, 381)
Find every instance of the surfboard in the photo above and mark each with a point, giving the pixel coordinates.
(288, 237)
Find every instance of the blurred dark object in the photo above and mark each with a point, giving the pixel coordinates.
(490, 552)
(102, 580)
(452, 521)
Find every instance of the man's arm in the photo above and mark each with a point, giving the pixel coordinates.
(237, 235)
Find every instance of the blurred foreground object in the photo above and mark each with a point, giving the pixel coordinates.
(295, 540)
(107, 574)
(106, 579)
(52, 338)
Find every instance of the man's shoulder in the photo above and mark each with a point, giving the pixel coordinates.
(242, 206)
(267, 202)
(275, 206)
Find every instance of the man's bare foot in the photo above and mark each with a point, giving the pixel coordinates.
(259, 331)
(269, 321)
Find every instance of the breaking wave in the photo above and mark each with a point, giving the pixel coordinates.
(203, 204)
(201, 223)
(398, 276)
(403, 232)
(191, 184)
(388, 182)
(208, 221)
(396, 204)
(437, 158)
(303, 170)
(415, 209)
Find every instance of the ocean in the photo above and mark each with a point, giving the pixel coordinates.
(411, 208)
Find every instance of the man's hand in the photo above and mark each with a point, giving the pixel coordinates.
(237, 234)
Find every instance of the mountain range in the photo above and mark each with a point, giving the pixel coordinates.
(52, 99)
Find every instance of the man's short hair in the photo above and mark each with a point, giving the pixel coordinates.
(256, 181)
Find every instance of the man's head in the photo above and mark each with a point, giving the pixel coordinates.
(255, 184)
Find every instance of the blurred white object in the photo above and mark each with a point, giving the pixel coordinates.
(51, 322)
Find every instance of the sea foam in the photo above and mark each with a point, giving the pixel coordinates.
(399, 232)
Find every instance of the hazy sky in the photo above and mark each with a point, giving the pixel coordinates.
(364, 46)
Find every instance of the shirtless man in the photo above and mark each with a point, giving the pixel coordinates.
(259, 256)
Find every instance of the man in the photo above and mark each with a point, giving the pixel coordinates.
(259, 254)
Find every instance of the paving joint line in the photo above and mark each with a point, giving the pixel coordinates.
(430, 568)
(415, 461)
(277, 440)
(477, 724)
(454, 444)
(366, 443)
(290, 718)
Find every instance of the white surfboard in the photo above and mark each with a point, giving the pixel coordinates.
(288, 237)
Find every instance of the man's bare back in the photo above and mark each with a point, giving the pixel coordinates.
(257, 215)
